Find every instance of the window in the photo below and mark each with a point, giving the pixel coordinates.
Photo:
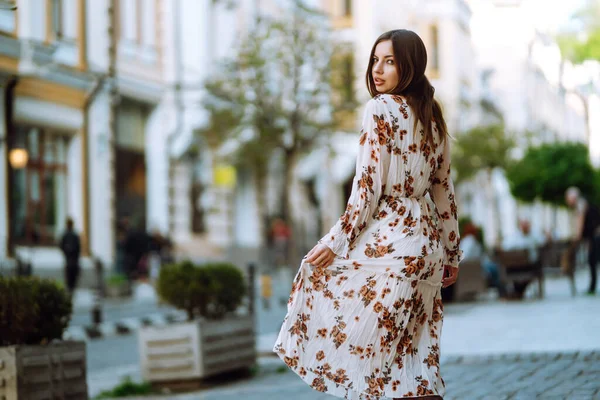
(348, 79)
(8, 17)
(347, 8)
(39, 190)
(435, 52)
(57, 19)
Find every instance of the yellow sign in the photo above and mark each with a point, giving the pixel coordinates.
(266, 287)
(225, 176)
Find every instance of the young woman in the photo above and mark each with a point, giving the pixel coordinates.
(365, 313)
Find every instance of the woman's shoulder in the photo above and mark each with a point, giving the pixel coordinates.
(387, 102)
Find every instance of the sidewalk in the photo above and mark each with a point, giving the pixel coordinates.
(525, 348)
(119, 316)
(558, 323)
(551, 376)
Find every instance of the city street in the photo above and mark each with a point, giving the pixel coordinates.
(508, 348)
(552, 376)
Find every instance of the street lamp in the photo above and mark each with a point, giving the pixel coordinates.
(18, 158)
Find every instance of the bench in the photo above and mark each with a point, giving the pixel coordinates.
(471, 281)
(516, 267)
(559, 256)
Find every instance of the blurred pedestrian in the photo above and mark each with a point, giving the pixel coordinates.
(71, 248)
(121, 263)
(587, 231)
(137, 244)
(365, 313)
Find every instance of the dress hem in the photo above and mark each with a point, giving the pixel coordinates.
(360, 394)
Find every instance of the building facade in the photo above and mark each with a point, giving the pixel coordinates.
(99, 104)
(522, 75)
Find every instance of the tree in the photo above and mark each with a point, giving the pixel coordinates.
(547, 171)
(581, 45)
(585, 45)
(483, 148)
(273, 97)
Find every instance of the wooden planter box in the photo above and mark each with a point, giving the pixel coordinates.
(198, 349)
(54, 371)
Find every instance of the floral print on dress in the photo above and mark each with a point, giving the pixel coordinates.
(368, 326)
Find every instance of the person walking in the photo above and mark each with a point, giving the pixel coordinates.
(365, 311)
(71, 248)
(587, 231)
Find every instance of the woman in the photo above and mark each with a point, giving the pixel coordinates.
(365, 313)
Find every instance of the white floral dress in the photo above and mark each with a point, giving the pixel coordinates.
(368, 326)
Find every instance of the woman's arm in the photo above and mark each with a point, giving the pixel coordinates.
(371, 172)
(442, 193)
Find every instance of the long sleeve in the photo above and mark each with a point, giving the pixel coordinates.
(442, 193)
(371, 172)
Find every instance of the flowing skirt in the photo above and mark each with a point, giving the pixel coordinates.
(366, 329)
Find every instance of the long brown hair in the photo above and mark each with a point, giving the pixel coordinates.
(411, 60)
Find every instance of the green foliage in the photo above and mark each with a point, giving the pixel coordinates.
(116, 280)
(547, 171)
(481, 148)
(262, 95)
(580, 47)
(273, 98)
(127, 388)
(578, 50)
(209, 290)
(230, 287)
(32, 311)
(463, 221)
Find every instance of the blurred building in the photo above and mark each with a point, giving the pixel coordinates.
(99, 104)
(522, 75)
(52, 109)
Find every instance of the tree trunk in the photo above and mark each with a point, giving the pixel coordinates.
(260, 176)
(291, 159)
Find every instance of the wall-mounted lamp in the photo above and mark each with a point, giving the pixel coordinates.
(18, 158)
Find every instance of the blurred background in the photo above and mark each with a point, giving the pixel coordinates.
(227, 130)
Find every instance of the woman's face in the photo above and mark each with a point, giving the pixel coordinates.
(384, 70)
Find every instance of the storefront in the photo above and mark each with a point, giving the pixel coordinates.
(45, 168)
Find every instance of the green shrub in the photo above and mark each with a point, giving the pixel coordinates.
(32, 310)
(126, 388)
(548, 170)
(209, 290)
(116, 280)
(18, 311)
(229, 285)
(54, 311)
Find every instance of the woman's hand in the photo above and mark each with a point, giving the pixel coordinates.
(320, 256)
(450, 276)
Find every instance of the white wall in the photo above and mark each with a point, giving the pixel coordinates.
(157, 169)
(74, 182)
(32, 19)
(96, 20)
(101, 186)
(246, 219)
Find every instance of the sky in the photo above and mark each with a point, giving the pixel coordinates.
(548, 16)
(551, 15)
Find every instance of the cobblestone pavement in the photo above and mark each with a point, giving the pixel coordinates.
(549, 376)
